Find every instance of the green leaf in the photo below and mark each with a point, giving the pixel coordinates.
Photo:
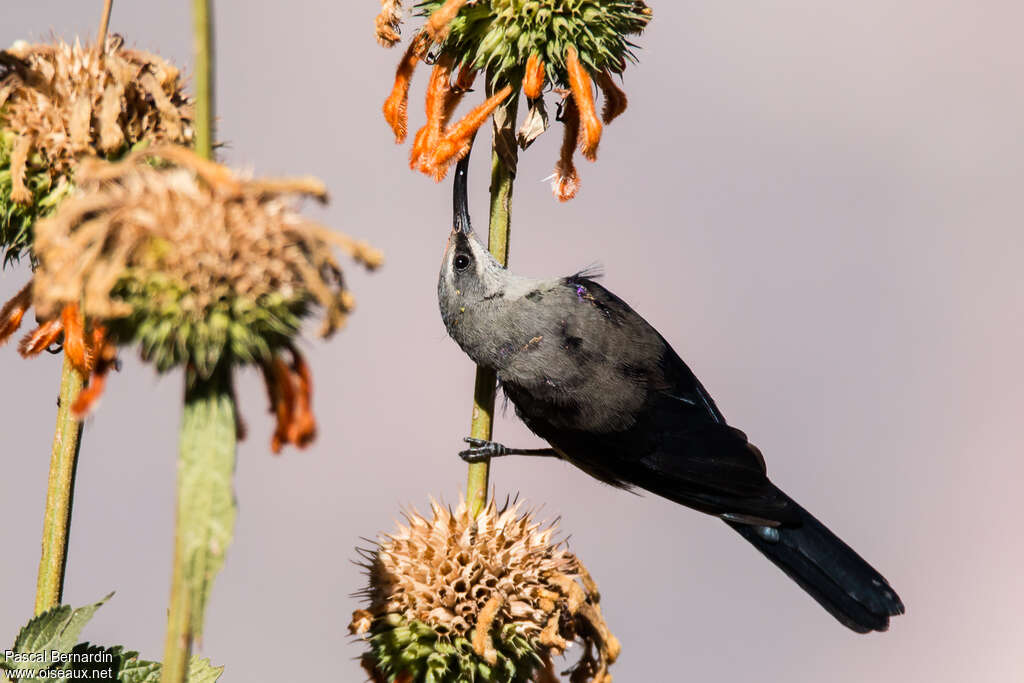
(202, 671)
(55, 629)
(94, 662)
(139, 671)
(206, 501)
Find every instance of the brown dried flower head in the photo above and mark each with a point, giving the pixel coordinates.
(201, 267)
(60, 103)
(453, 598)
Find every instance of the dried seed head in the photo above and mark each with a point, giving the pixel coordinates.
(195, 263)
(60, 103)
(452, 598)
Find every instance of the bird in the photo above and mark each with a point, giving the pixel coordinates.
(591, 377)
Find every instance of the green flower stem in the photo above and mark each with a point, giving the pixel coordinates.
(59, 493)
(503, 174)
(60, 489)
(205, 516)
(202, 31)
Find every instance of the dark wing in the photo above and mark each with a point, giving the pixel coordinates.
(673, 442)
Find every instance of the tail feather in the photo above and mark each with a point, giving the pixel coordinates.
(828, 569)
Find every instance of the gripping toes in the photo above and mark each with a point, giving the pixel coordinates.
(481, 449)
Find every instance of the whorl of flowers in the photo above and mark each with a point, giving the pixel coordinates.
(60, 103)
(570, 44)
(452, 598)
(201, 267)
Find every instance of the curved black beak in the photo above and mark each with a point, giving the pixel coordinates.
(460, 198)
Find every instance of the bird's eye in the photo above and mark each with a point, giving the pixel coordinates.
(461, 262)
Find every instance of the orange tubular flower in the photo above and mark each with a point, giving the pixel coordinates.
(566, 181)
(92, 358)
(567, 47)
(13, 311)
(533, 80)
(463, 84)
(457, 139)
(290, 388)
(615, 100)
(302, 430)
(37, 341)
(397, 104)
(437, 103)
(104, 357)
(453, 97)
(279, 387)
(582, 92)
(437, 25)
(74, 338)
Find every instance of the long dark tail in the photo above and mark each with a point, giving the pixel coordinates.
(828, 569)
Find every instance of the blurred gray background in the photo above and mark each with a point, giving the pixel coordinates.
(818, 204)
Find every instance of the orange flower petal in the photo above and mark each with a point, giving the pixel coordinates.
(13, 311)
(463, 84)
(533, 80)
(567, 181)
(457, 139)
(582, 92)
(453, 96)
(419, 148)
(437, 25)
(104, 355)
(302, 430)
(36, 341)
(74, 338)
(397, 104)
(615, 100)
(437, 97)
(90, 395)
(279, 388)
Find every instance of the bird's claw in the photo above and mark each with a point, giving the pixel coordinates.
(481, 450)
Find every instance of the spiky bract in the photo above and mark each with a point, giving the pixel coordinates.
(60, 103)
(501, 35)
(457, 599)
(198, 266)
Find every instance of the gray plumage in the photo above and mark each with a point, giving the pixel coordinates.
(595, 380)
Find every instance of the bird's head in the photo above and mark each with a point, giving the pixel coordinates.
(469, 273)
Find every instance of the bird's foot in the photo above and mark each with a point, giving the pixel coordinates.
(481, 450)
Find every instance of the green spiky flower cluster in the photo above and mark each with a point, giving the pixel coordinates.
(415, 649)
(500, 35)
(172, 331)
(16, 219)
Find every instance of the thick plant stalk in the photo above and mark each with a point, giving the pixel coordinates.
(67, 437)
(59, 493)
(504, 159)
(205, 515)
(205, 518)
